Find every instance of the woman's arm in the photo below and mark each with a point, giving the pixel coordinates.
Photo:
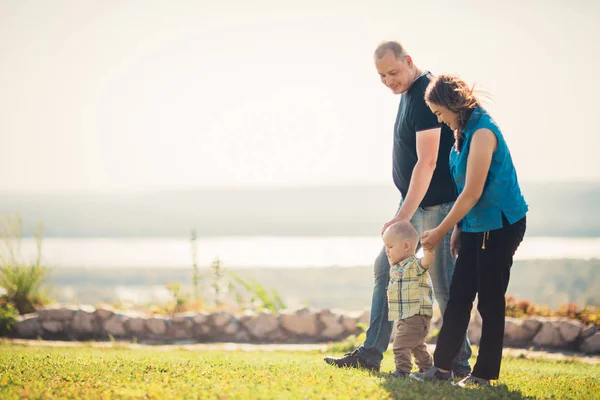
(482, 148)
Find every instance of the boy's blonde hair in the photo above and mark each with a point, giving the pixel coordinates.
(404, 230)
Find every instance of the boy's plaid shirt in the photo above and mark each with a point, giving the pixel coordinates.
(410, 291)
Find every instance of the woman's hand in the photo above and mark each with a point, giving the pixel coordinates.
(455, 242)
(431, 239)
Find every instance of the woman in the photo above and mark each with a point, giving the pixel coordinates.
(488, 218)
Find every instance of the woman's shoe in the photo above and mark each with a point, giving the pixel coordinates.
(473, 381)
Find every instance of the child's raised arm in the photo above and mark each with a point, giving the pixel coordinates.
(428, 258)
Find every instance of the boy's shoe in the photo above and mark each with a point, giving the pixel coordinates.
(399, 374)
(433, 374)
(473, 381)
(352, 360)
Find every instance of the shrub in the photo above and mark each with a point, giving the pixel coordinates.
(524, 308)
(259, 296)
(8, 316)
(21, 280)
(587, 315)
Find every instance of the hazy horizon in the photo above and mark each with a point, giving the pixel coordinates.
(257, 186)
(556, 209)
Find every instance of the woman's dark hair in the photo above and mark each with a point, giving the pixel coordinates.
(453, 93)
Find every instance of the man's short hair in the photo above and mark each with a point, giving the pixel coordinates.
(405, 230)
(392, 46)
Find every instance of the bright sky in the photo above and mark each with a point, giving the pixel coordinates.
(100, 95)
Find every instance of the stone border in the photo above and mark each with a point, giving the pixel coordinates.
(289, 326)
(305, 325)
(544, 333)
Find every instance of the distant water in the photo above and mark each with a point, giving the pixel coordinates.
(260, 251)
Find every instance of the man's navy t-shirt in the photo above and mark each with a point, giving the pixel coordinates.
(413, 116)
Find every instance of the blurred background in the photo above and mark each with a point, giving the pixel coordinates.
(263, 127)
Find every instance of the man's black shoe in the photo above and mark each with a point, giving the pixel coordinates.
(351, 360)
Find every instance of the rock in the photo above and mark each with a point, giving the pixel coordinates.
(186, 316)
(570, 329)
(278, 336)
(242, 336)
(83, 323)
(201, 317)
(364, 318)
(180, 328)
(515, 333)
(591, 344)
(53, 327)
(588, 331)
(225, 333)
(247, 315)
(221, 319)
(259, 326)
(532, 324)
(332, 323)
(136, 327)
(115, 325)
(349, 324)
(475, 319)
(157, 325)
(57, 313)
(201, 328)
(231, 328)
(201, 331)
(103, 314)
(302, 322)
(27, 326)
(474, 334)
(87, 308)
(549, 334)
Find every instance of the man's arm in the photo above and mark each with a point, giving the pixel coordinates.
(428, 144)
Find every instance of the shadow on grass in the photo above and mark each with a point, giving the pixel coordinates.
(405, 388)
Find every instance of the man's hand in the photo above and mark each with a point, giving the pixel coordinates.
(392, 222)
(431, 239)
(455, 242)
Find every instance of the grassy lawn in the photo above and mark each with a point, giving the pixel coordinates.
(93, 373)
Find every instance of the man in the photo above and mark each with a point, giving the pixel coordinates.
(421, 174)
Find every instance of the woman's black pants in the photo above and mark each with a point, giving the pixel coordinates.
(482, 268)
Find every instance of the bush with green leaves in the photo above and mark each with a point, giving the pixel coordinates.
(259, 296)
(22, 280)
(8, 317)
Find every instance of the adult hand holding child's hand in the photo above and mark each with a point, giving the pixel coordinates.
(431, 238)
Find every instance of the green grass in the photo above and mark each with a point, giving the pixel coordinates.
(93, 373)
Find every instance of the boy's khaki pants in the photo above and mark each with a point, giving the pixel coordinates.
(410, 337)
